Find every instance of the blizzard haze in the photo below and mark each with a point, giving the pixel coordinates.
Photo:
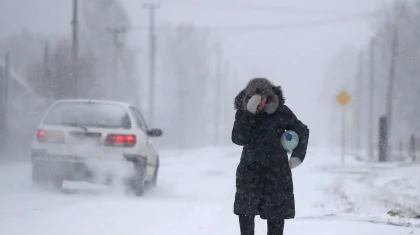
(359, 175)
(295, 58)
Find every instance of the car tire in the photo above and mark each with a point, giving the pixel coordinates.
(137, 183)
(153, 182)
(137, 186)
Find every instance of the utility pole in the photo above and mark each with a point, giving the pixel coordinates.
(390, 91)
(6, 90)
(75, 48)
(371, 96)
(2, 104)
(46, 59)
(359, 85)
(218, 88)
(4, 77)
(7, 75)
(182, 93)
(152, 57)
(117, 33)
(226, 86)
(47, 71)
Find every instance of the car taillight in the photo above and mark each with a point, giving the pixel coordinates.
(41, 135)
(44, 136)
(120, 140)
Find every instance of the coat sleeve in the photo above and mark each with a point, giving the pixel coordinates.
(302, 130)
(243, 127)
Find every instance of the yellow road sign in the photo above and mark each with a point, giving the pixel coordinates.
(343, 98)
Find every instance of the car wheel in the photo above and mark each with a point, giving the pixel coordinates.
(137, 183)
(154, 180)
(137, 186)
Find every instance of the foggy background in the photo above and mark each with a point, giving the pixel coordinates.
(206, 51)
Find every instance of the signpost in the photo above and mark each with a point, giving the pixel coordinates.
(343, 99)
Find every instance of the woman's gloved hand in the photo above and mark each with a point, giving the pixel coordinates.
(294, 162)
(253, 103)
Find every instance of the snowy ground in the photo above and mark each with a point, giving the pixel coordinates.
(195, 195)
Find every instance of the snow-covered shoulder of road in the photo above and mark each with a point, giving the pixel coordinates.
(386, 193)
(195, 194)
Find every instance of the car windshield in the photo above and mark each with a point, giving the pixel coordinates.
(88, 115)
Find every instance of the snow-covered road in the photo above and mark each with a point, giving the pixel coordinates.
(195, 195)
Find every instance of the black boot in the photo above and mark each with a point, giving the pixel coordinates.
(275, 226)
(247, 224)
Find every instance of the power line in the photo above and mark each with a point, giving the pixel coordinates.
(272, 27)
(254, 7)
(293, 25)
(273, 8)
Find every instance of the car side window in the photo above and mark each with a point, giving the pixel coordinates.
(139, 119)
(143, 121)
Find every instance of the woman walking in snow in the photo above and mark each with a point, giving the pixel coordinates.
(264, 183)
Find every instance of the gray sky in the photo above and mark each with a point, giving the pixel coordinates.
(294, 58)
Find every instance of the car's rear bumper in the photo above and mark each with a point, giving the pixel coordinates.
(66, 170)
(76, 168)
(42, 154)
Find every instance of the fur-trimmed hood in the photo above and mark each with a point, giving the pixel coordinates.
(260, 86)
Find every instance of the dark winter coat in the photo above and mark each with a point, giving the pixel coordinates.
(264, 183)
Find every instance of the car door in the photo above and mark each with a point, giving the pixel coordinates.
(152, 158)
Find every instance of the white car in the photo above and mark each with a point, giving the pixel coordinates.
(73, 133)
